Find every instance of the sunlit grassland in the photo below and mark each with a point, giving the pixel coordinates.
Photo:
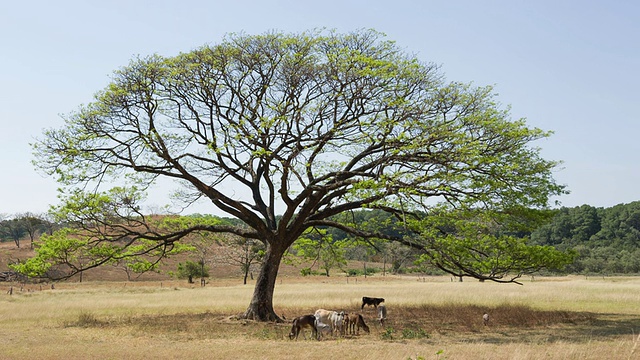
(432, 318)
(602, 295)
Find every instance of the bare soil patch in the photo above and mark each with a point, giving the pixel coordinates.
(430, 324)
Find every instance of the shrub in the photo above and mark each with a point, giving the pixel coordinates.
(309, 271)
(360, 272)
(414, 334)
(387, 334)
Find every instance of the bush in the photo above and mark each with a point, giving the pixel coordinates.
(360, 272)
(308, 272)
(354, 272)
(414, 334)
(387, 334)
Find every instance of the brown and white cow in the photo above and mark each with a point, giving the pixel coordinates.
(337, 321)
(331, 318)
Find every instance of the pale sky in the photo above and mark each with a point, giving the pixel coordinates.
(572, 67)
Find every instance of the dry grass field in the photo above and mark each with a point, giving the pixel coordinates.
(429, 318)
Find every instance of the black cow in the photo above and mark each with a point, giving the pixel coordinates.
(371, 301)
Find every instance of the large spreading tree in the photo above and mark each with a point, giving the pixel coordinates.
(286, 131)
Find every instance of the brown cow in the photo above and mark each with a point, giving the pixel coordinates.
(301, 322)
(356, 322)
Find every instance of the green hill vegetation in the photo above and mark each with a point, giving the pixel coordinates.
(605, 241)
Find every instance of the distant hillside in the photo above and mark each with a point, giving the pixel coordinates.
(10, 253)
(606, 240)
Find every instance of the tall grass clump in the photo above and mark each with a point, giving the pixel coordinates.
(85, 320)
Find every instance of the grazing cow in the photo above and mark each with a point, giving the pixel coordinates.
(332, 318)
(337, 322)
(355, 323)
(382, 314)
(322, 328)
(302, 322)
(371, 301)
(323, 315)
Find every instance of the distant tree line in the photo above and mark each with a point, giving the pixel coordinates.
(23, 226)
(604, 240)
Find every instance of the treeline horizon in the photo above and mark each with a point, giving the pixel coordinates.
(606, 240)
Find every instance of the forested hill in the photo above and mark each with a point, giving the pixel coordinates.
(607, 240)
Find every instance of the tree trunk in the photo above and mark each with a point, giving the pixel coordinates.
(261, 306)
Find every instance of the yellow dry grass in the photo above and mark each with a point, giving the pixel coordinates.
(430, 318)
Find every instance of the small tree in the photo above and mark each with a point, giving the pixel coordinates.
(33, 224)
(14, 229)
(399, 255)
(362, 250)
(205, 244)
(241, 252)
(319, 247)
(192, 269)
(137, 266)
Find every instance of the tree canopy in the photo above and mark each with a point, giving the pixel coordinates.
(285, 131)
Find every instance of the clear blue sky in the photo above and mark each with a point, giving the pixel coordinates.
(568, 66)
